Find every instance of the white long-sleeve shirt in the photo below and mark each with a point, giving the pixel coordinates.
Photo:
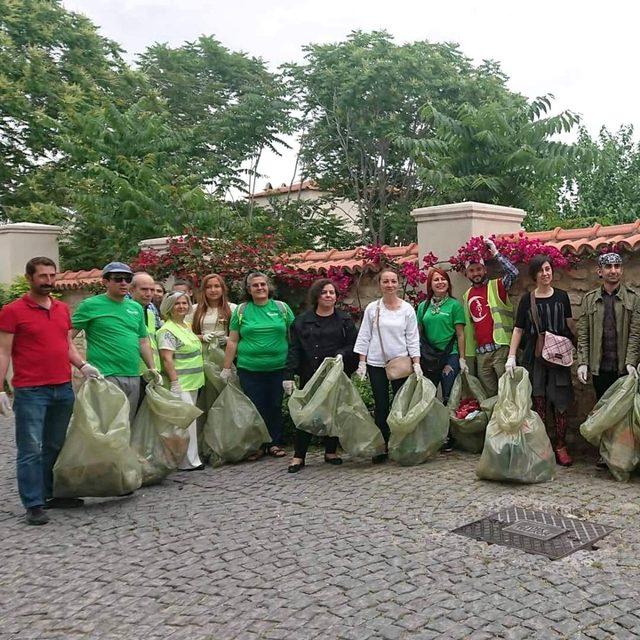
(399, 329)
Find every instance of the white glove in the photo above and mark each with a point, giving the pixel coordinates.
(632, 371)
(417, 369)
(464, 367)
(89, 371)
(208, 337)
(152, 376)
(5, 404)
(288, 386)
(361, 371)
(583, 372)
(225, 374)
(339, 357)
(510, 366)
(176, 388)
(222, 341)
(491, 245)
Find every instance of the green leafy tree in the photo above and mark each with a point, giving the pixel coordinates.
(360, 101)
(497, 153)
(602, 182)
(225, 104)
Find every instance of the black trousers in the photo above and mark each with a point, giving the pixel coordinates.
(603, 381)
(382, 403)
(302, 440)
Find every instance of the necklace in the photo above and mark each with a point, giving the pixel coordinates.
(436, 303)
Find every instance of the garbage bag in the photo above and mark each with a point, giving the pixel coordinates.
(468, 433)
(234, 429)
(96, 459)
(516, 445)
(329, 405)
(614, 427)
(418, 421)
(159, 434)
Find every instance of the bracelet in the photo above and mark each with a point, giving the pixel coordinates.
(82, 364)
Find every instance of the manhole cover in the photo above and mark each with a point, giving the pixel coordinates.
(547, 534)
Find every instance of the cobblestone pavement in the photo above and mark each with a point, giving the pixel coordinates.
(353, 552)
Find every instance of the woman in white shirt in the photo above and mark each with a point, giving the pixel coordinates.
(210, 319)
(398, 328)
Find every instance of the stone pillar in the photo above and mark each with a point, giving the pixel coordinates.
(22, 241)
(443, 229)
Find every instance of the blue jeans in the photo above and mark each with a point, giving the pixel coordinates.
(42, 418)
(446, 379)
(264, 389)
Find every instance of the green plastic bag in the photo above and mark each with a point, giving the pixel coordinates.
(468, 434)
(329, 405)
(234, 429)
(614, 427)
(159, 432)
(418, 421)
(516, 445)
(96, 459)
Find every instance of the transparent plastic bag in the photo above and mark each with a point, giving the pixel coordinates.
(329, 405)
(96, 459)
(159, 433)
(614, 427)
(468, 434)
(516, 445)
(234, 429)
(418, 421)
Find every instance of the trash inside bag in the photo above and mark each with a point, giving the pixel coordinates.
(418, 421)
(467, 419)
(159, 434)
(329, 405)
(516, 445)
(614, 427)
(96, 459)
(234, 429)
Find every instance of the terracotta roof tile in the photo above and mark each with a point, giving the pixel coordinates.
(305, 185)
(78, 279)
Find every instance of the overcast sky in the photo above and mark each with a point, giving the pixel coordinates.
(584, 53)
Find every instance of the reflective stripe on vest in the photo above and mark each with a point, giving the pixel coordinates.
(188, 358)
(150, 322)
(501, 312)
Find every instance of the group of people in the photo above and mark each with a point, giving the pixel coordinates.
(137, 333)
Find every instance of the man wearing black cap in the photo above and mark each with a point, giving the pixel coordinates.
(116, 333)
(608, 328)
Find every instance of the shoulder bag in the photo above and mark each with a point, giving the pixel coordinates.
(553, 349)
(396, 368)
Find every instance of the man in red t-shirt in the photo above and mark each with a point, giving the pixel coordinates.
(35, 334)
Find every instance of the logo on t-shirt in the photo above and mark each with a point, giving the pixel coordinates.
(477, 309)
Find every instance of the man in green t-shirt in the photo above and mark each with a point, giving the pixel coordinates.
(116, 334)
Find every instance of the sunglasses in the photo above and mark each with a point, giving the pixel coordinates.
(125, 277)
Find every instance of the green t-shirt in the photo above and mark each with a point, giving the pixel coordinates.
(440, 327)
(113, 330)
(263, 344)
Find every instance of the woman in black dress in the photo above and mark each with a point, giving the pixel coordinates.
(320, 332)
(551, 384)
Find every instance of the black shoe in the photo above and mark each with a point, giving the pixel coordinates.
(333, 460)
(36, 515)
(200, 467)
(63, 503)
(380, 458)
(601, 464)
(294, 468)
(447, 447)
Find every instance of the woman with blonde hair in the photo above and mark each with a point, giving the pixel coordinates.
(211, 316)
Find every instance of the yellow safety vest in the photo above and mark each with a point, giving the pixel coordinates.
(501, 312)
(150, 321)
(188, 358)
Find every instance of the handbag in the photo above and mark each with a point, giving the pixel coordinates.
(432, 360)
(555, 350)
(396, 368)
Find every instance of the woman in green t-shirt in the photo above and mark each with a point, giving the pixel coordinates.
(258, 335)
(441, 322)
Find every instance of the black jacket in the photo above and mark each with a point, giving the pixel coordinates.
(313, 339)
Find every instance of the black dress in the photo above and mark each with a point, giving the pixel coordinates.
(554, 383)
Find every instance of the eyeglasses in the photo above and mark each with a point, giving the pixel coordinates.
(125, 277)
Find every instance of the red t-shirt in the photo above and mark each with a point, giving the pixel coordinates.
(40, 351)
(480, 313)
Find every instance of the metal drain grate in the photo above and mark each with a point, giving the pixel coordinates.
(547, 534)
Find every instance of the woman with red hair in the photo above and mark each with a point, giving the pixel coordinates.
(441, 322)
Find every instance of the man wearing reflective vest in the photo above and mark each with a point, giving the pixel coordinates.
(142, 290)
(489, 315)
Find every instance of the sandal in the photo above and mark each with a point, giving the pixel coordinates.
(276, 451)
(255, 456)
